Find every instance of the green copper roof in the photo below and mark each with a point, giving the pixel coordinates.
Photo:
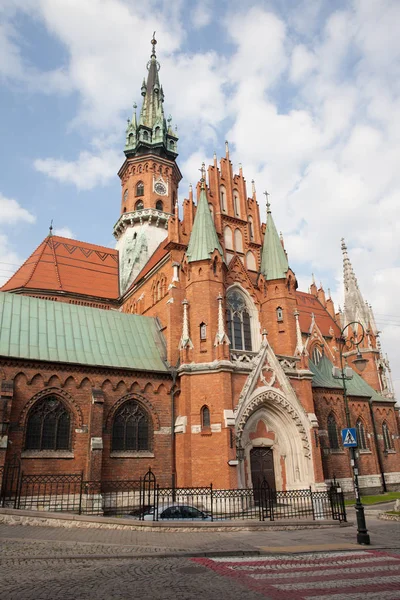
(59, 332)
(356, 386)
(203, 239)
(274, 263)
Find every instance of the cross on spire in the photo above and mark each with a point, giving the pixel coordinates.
(267, 194)
(153, 43)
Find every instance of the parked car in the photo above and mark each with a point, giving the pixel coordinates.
(171, 512)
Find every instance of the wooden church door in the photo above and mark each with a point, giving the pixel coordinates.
(262, 466)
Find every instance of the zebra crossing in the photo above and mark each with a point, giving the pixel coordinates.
(355, 575)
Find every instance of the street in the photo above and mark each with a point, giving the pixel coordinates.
(52, 563)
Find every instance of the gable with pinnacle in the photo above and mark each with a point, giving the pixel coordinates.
(237, 274)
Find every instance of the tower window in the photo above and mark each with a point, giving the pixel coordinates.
(125, 195)
(159, 205)
(239, 327)
(203, 331)
(222, 195)
(171, 145)
(140, 188)
(157, 132)
(139, 205)
(145, 136)
(279, 314)
(205, 417)
(48, 426)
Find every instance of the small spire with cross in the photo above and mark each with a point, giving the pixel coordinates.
(203, 174)
(51, 228)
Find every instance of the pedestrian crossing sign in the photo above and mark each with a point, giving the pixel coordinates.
(349, 437)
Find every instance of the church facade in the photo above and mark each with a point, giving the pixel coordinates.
(189, 347)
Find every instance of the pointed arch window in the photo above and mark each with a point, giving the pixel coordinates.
(238, 240)
(251, 228)
(131, 428)
(316, 355)
(139, 205)
(48, 426)
(159, 205)
(279, 314)
(222, 196)
(205, 417)
(251, 261)
(228, 238)
(236, 203)
(238, 321)
(362, 438)
(387, 439)
(333, 432)
(126, 195)
(140, 188)
(203, 331)
(145, 135)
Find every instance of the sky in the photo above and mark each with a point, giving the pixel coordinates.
(307, 93)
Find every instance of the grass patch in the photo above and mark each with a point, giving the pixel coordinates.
(369, 500)
(393, 512)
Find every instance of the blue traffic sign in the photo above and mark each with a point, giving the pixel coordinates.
(349, 437)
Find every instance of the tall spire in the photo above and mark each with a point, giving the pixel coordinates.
(203, 239)
(274, 262)
(355, 309)
(152, 134)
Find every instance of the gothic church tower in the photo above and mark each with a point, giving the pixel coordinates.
(149, 180)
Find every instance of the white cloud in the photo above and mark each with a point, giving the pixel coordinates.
(88, 171)
(64, 232)
(11, 212)
(201, 14)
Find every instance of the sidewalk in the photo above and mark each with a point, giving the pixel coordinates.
(23, 540)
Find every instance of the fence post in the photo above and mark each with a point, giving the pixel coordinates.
(312, 504)
(80, 494)
(212, 501)
(17, 502)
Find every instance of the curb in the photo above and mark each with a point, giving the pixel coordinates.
(10, 516)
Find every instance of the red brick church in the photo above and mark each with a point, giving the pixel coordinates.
(189, 347)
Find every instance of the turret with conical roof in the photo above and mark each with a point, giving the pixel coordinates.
(203, 238)
(274, 262)
(152, 134)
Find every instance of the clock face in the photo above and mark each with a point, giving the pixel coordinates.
(160, 188)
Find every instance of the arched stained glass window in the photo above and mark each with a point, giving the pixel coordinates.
(131, 428)
(238, 318)
(333, 432)
(387, 440)
(316, 355)
(48, 426)
(362, 438)
(140, 188)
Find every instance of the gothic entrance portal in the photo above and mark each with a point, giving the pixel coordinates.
(262, 467)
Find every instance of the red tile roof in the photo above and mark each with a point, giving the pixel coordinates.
(307, 304)
(64, 265)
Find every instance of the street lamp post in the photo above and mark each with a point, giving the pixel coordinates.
(350, 343)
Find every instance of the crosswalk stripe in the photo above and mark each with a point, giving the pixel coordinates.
(326, 572)
(285, 557)
(312, 565)
(338, 583)
(381, 595)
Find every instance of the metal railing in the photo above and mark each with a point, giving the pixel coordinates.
(145, 499)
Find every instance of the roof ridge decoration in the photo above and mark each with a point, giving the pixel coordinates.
(203, 238)
(50, 242)
(274, 262)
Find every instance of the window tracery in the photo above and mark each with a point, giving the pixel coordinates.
(238, 321)
(48, 425)
(131, 428)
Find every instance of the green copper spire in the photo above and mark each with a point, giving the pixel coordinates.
(274, 263)
(203, 239)
(152, 134)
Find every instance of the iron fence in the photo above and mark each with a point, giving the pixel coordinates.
(144, 499)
